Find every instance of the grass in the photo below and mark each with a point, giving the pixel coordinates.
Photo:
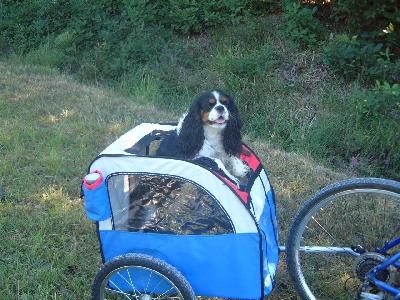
(376, 216)
(51, 127)
(285, 94)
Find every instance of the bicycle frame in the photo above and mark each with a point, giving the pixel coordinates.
(371, 275)
(392, 261)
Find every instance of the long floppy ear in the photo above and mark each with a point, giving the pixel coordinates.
(232, 140)
(190, 138)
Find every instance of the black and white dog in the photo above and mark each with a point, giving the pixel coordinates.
(209, 129)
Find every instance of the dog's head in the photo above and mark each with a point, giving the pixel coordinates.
(216, 110)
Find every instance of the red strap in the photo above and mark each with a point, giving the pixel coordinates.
(248, 156)
(243, 195)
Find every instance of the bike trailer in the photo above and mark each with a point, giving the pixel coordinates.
(223, 239)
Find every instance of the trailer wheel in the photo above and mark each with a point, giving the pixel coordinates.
(140, 276)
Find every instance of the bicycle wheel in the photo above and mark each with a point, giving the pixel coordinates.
(139, 276)
(332, 239)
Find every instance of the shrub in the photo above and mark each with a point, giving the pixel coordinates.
(382, 102)
(379, 117)
(352, 58)
(371, 49)
(27, 24)
(365, 15)
(188, 17)
(112, 37)
(300, 24)
(377, 21)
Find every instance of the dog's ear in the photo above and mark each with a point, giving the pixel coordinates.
(191, 135)
(232, 139)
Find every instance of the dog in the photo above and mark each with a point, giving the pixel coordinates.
(209, 130)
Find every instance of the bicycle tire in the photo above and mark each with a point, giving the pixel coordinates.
(140, 276)
(332, 229)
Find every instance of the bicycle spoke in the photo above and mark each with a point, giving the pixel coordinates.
(332, 240)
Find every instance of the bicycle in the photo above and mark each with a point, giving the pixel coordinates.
(344, 242)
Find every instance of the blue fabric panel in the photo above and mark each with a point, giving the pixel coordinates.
(269, 228)
(224, 266)
(97, 204)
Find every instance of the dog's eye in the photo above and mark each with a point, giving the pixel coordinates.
(223, 100)
(211, 102)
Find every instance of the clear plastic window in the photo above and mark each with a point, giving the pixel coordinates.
(158, 204)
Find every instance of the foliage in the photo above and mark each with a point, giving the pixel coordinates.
(369, 49)
(379, 116)
(366, 16)
(105, 39)
(383, 101)
(185, 16)
(170, 50)
(377, 21)
(355, 58)
(301, 25)
(26, 23)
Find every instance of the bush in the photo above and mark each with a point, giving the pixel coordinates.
(379, 112)
(370, 50)
(300, 24)
(111, 38)
(188, 17)
(365, 15)
(377, 21)
(355, 58)
(27, 24)
(382, 102)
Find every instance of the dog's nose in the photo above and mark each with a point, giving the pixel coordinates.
(219, 108)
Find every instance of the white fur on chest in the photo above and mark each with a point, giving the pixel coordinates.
(213, 146)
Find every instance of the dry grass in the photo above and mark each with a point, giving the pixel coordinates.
(294, 178)
(51, 127)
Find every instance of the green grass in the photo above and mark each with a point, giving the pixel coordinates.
(286, 95)
(51, 128)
